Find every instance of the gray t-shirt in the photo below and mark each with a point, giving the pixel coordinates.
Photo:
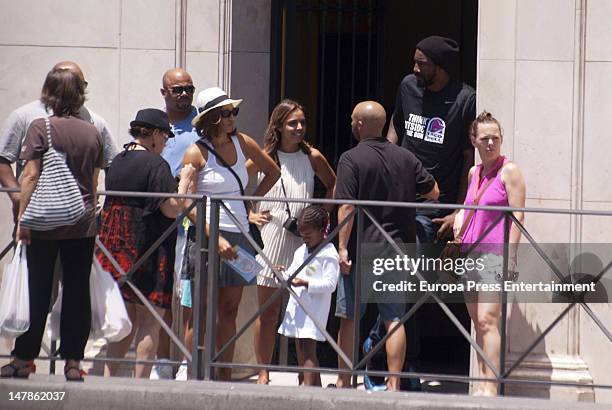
(15, 127)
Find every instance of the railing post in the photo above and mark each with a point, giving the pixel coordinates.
(197, 305)
(504, 306)
(357, 304)
(211, 290)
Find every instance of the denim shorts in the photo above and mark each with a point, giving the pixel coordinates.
(345, 302)
(492, 272)
(227, 275)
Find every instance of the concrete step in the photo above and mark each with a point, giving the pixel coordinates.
(99, 393)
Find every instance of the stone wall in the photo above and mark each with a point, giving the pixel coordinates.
(543, 68)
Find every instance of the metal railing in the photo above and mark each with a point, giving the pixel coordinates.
(199, 203)
(502, 375)
(204, 358)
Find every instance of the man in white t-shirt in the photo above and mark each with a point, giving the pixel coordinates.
(15, 127)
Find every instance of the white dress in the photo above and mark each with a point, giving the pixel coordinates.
(298, 177)
(322, 275)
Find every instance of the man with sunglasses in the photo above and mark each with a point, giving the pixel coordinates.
(177, 90)
(14, 131)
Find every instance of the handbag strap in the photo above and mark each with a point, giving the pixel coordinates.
(477, 198)
(48, 126)
(247, 205)
(284, 191)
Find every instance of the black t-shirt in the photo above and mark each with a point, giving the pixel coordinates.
(377, 170)
(435, 127)
(140, 171)
(131, 226)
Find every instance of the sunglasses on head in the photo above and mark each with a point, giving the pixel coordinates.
(225, 113)
(178, 90)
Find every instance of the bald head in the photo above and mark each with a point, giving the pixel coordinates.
(70, 65)
(177, 90)
(368, 120)
(174, 76)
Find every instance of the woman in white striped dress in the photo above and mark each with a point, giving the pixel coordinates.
(299, 163)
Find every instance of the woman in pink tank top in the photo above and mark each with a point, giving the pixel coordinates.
(494, 182)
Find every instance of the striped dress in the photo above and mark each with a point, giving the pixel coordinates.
(298, 177)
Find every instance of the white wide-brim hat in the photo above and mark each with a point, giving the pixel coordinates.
(209, 99)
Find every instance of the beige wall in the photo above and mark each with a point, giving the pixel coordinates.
(123, 46)
(597, 189)
(543, 69)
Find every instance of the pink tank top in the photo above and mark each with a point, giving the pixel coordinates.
(495, 195)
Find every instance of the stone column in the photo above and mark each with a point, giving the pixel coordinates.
(531, 75)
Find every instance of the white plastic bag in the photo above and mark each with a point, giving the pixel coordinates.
(109, 318)
(14, 296)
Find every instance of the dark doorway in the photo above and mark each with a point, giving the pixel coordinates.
(331, 54)
(328, 60)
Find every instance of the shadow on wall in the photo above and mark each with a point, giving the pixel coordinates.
(580, 264)
(537, 365)
(525, 320)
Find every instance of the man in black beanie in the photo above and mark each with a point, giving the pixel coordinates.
(432, 117)
(433, 112)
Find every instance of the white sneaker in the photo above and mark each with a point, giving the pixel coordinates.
(161, 371)
(182, 373)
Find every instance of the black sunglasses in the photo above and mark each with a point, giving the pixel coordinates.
(178, 90)
(225, 113)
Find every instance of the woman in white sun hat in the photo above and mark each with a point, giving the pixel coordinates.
(215, 123)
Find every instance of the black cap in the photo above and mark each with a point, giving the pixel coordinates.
(154, 118)
(444, 52)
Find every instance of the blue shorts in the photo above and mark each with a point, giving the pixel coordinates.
(227, 275)
(345, 302)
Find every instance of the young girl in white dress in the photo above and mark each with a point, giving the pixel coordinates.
(314, 285)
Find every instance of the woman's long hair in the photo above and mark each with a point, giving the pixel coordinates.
(272, 137)
(63, 92)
